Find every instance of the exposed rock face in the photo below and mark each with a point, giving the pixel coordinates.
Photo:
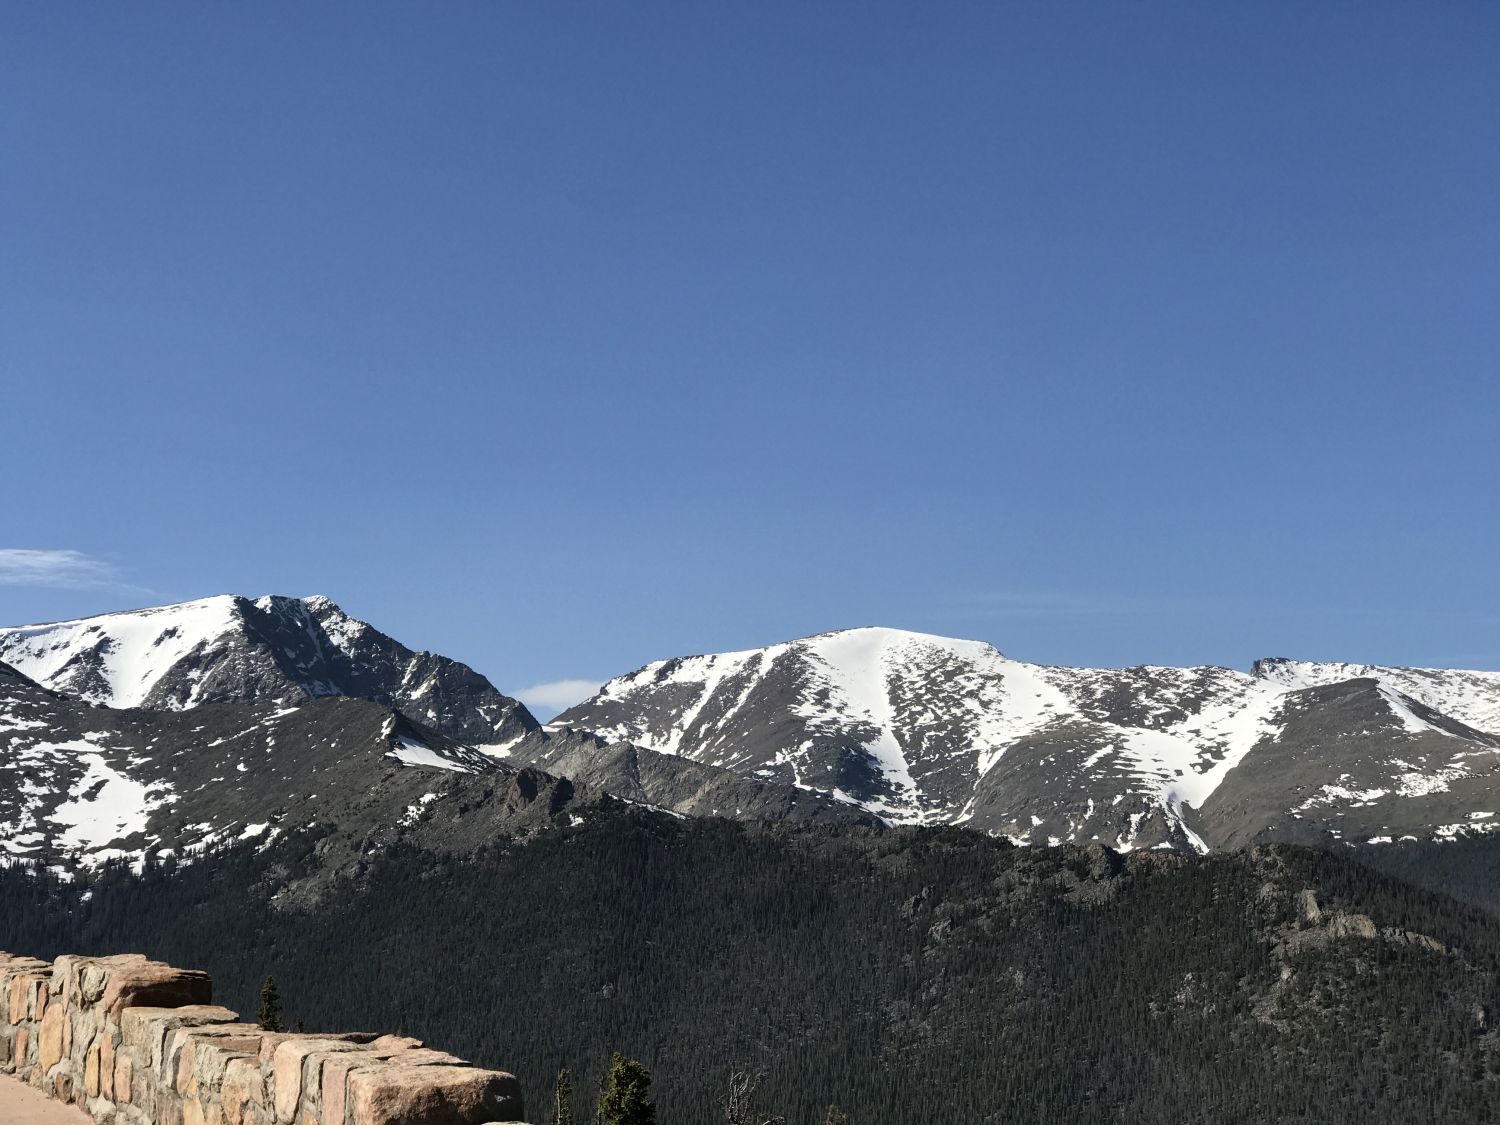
(923, 729)
(80, 784)
(280, 650)
(431, 1095)
(682, 785)
(1471, 698)
(247, 718)
(79, 1030)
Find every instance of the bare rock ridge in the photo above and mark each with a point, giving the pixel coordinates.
(226, 744)
(280, 650)
(137, 1042)
(180, 727)
(926, 730)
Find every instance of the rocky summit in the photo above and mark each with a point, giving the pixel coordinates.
(931, 730)
(281, 650)
(179, 727)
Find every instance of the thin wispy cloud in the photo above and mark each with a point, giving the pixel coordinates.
(67, 570)
(557, 695)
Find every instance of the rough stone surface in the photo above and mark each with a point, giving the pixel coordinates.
(50, 1045)
(91, 1072)
(243, 1091)
(120, 1036)
(107, 1066)
(155, 984)
(146, 1030)
(124, 1072)
(395, 1043)
(287, 1070)
(432, 1095)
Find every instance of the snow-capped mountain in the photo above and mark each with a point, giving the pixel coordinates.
(925, 729)
(1473, 698)
(170, 729)
(81, 784)
(272, 649)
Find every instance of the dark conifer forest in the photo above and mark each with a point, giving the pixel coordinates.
(905, 976)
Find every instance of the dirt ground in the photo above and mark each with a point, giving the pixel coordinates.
(21, 1105)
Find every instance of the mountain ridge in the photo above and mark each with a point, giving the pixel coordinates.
(843, 726)
(924, 729)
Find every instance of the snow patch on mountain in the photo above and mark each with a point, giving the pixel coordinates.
(1471, 697)
(106, 806)
(920, 705)
(410, 752)
(132, 650)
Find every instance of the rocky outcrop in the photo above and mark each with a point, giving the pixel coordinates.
(136, 1042)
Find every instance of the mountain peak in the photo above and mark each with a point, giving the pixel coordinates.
(229, 648)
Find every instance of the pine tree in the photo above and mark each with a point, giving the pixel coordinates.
(562, 1100)
(269, 1017)
(623, 1099)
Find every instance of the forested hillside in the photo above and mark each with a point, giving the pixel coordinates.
(1468, 868)
(922, 975)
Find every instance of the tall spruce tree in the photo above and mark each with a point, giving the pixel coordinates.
(623, 1101)
(269, 1016)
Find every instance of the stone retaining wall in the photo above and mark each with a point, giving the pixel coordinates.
(136, 1042)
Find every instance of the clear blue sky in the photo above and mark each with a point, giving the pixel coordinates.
(562, 337)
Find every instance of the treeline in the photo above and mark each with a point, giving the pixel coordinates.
(933, 975)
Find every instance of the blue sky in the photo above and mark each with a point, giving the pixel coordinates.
(559, 338)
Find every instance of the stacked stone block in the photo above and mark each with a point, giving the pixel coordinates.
(137, 1042)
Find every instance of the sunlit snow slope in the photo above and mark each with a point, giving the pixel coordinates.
(234, 649)
(926, 729)
(1473, 698)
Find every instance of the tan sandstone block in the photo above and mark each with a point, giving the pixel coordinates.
(124, 1072)
(336, 1069)
(242, 1092)
(23, 1040)
(286, 1069)
(212, 1049)
(186, 1082)
(432, 1095)
(145, 1030)
(64, 971)
(15, 1010)
(91, 1071)
(107, 1065)
(49, 1042)
(137, 1029)
(395, 1043)
(94, 973)
(152, 984)
(334, 1087)
(196, 1111)
(270, 1040)
(426, 1056)
(22, 988)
